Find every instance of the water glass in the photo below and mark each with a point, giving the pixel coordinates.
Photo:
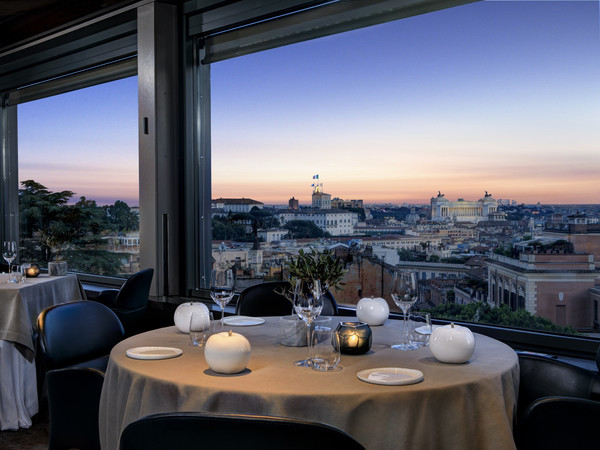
(17, 274)
(201, 327)
(325, 349)
(420, 329)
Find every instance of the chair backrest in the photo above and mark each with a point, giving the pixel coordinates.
(134, 292)
(75, 332)
(559, 423)
(74, 403)
(264, 299)
(542, 376)
(228, 431)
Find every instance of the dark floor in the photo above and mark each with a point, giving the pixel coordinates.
(34, 438)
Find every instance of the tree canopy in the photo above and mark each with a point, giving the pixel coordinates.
(51, 227)
(483, 312)
(299, 229)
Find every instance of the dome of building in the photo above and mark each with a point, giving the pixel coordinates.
(413, 217)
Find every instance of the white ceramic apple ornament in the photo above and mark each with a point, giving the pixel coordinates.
(227, 352)
(452, 344)
(184, 312)
(373, 311)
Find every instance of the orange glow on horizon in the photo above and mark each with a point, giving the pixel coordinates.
(522, 191)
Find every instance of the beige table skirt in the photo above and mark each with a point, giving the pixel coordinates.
(20, 305)
(456, 406)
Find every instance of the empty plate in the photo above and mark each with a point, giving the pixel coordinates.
(153, 352)
(243, 321)
(390, 376)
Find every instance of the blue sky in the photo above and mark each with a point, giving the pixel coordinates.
(84, 141)
(496, 96)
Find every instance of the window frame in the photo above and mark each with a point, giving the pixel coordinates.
(531, 340)
(115, 36)
(71, 63)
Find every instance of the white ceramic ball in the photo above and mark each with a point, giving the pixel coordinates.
(184, 312)
(227, 352)
(373, 311)
(452, 344)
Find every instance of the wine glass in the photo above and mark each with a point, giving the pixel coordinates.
(308, 304)
(221, 288)
(405, 294)
(9, 252)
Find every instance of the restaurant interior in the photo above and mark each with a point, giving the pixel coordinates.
(113, 367)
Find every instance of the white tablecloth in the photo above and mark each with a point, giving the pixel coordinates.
(19, 307)
(456, 406)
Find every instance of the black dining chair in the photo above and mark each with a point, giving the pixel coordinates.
(130, 303)
(265, 299)
(75, 340)
(185, 430)
(543, 376)
(559, 423)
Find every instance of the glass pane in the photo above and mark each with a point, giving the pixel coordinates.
(79, 183)
(463, 145)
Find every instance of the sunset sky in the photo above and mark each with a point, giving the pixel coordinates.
(494, 96)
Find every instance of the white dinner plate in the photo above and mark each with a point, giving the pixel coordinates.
(390, 376)
(243, 321)
(153, 352)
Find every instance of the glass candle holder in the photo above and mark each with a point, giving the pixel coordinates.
(32, 271)
(355, 337)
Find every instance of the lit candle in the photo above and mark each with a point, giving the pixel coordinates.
(352, 340)
(32, 271)
(355, 337)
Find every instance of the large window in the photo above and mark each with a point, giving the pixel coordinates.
(79, 182)
(461, 144)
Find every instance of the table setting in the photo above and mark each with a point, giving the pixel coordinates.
(349, 375)
(326, 344)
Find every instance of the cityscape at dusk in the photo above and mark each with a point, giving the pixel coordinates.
(496, 96)
(376, 222)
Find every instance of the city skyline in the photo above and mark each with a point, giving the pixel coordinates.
(496, 96)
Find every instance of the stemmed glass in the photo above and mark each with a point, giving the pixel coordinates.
(221, 288)
(9, 252)
(405, 294)
(308, 304)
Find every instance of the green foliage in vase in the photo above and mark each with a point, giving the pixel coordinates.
(323, 266)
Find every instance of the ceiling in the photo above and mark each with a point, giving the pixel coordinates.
(24, 20)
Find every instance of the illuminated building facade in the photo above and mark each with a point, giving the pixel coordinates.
(461, 210)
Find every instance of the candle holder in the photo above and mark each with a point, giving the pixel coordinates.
(32, 271)
(355, 337)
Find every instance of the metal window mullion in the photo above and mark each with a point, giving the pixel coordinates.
(110, 72)
(9, 184)
(198, 168)
(328, 19)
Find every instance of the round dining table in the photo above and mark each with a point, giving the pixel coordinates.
(455, 406)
